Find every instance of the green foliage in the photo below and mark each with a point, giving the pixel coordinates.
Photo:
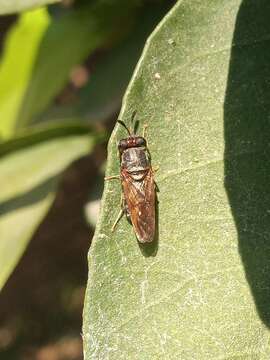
(86, 29)
(30, 171)
(39, 52)
(202, 289)
(15, 74)
(102, 95)
(49, 48)
(12, 6)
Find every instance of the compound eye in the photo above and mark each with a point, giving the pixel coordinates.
(122, 145)
(140, 141)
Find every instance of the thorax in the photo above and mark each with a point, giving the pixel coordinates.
(136, 162)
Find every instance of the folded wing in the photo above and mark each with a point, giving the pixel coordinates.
(140, 199)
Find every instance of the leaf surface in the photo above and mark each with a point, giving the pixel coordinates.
(201, 291)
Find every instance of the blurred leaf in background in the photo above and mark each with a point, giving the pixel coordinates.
(29, 176)
(18, 58)
(12, 6)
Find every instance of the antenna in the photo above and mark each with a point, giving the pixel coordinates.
(134, 124)
(125, 126)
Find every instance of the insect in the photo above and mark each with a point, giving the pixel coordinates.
(138, 198)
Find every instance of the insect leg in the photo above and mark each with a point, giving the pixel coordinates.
(145, 126)
(112, 177)
(121, 213)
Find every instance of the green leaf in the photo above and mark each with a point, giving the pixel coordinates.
(115, 68)
(49, 48)
(201, 291)
(30, 168)
(12, 6)
(24, 39)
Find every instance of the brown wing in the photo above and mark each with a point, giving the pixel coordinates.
(140, 199)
